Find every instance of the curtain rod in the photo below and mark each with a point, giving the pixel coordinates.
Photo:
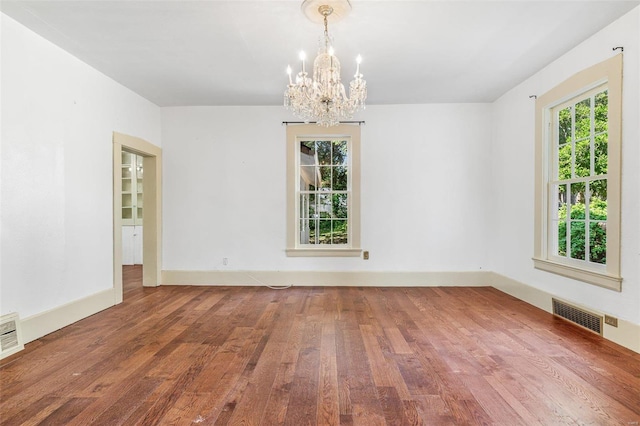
(315, 122)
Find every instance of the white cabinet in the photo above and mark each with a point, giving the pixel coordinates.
(132, 245)
(132, 204)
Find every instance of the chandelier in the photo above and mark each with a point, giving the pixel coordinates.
(323, 99)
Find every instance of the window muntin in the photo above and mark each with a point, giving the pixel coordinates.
(578, 184)
(323, 192)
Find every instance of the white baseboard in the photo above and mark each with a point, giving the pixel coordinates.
(627, 334)
(41, 324)
(328, 279)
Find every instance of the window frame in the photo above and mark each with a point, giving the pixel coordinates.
(300, 132)
(609, 73)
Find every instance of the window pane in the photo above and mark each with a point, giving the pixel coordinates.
(600, 160)
(583, 119)
(564, 162)
(313, 205)
(598, 242)
(339, 178)
(597, 223)
(577, 240)
(340, 206)
(562, 238)
(324, 231)
(307, 153)
(564, 126)
(313, 234)
(323, 149)
(340, 234)
(304, 205)
(601, 107)
(308, 178)
(577, 234)
(583, 158)
(307, 205)
(577, 200)
(598, 200)
(560, 219)
(325, 176)
(340, 151)
(324, 206)
(304, 231)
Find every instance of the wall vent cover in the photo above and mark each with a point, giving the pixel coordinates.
(578, 316)
(10, 335)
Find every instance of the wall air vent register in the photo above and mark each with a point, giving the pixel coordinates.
(10, 335)
(578, 316)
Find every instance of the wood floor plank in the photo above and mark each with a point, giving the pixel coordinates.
(67, 411)
(328, 399)
(319, 356)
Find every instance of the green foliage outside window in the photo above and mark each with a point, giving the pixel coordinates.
(597, 231)
(575, 127)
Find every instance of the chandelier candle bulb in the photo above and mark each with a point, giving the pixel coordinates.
(289, 74)
(303, 56)
(358, 60)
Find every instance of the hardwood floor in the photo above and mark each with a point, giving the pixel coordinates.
(326, 356)
(131, 278)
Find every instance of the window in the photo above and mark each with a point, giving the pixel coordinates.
(578, 126)
(323, 190)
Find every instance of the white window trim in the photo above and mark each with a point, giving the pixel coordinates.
(609, 72)
(294, 135)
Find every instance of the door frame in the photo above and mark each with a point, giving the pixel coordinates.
(152, 217)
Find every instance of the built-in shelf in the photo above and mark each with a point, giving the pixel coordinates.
(132, 195)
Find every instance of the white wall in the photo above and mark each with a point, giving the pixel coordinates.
(513, 174)
(58, 115)
(425, 187)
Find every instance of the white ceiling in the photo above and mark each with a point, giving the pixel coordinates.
(236, 52)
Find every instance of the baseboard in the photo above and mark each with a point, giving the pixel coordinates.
(328, 279)
(41, 324)
(627, 334)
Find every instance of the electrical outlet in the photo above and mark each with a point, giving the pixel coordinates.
(365, 255)
(612, 321)
(225, 261)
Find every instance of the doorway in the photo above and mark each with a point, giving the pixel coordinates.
(151, 162)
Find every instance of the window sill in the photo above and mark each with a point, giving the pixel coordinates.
(601, 279)
(326, 252)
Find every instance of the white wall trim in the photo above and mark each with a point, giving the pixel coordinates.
(328, 278)
(46, 322)
(627, 334)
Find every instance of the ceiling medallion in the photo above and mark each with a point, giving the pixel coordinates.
(323, 98)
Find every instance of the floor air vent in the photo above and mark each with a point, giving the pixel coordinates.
(579, 316)
(10, 335)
